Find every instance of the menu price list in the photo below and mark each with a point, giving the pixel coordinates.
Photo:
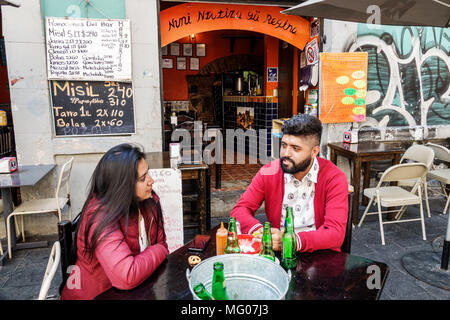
(88, 49)
(92, 107)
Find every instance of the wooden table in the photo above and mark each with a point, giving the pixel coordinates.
(24, 176)
(321, 275)
(200, 172)
(364, 153)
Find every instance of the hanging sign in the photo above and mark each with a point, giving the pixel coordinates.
(88, 49)
(185, 19)
(312, 52)
(315, 28)
(343, 86)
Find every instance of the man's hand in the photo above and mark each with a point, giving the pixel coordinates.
(276, 237)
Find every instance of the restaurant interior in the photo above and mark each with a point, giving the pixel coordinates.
(221, 78)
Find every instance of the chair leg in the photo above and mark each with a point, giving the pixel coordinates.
(380, 219)
(400, 213)
(23, 228)
(365, 212)
(422, 220)
(16, 225)
(446, 204)
(426, 198)
(8, 235)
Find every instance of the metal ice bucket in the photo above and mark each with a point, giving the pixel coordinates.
(247, 277)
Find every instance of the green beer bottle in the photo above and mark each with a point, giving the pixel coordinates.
(267, 251)
(289, 242)
(219, 289)
(232, 240)
(201, 292)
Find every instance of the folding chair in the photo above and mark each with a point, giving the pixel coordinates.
(66, 235)
(347, 244)
(48, 205)
(393, 196)
(52, 265)
(441, 175)
(422, 154)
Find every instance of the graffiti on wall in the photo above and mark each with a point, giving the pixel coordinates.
(408, 76)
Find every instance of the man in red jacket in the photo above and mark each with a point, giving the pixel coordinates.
(314, 187)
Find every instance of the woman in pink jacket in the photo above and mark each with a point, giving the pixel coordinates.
(120, 238)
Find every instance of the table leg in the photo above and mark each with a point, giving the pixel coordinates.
(446, 249)
(202, 200)
(7, 209)
(208, 199)
(218, 175)
(356, 183)
(333, 156)
(365, 200)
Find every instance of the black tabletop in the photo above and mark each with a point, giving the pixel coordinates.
(25, 176)
(321, 275)
(370, 147)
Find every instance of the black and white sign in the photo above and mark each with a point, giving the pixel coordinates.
(88, 49)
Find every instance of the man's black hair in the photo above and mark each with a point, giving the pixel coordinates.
(303, 125)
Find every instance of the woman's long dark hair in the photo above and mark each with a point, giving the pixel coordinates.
(113, 184)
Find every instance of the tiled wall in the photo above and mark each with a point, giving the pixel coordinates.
(265, 110)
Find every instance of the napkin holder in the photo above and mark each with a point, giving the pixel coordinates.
(8, 164)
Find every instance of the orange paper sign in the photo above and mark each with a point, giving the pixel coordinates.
(343, 87)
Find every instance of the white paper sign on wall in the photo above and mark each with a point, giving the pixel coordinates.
(88, 49)
(168, 187)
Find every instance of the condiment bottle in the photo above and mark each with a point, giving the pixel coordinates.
(221, 239)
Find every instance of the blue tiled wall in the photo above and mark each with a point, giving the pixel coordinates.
(265, 110)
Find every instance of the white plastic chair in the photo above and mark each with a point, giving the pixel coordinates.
(392, 196)
(422, 154)
(441, 175)
(52, 266)
(50, 205)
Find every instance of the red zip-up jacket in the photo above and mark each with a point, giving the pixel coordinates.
(330, 205)
(116, 263)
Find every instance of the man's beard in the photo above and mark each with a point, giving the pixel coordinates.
(302, 166)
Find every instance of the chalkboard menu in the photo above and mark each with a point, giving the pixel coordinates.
(88, 49)
(92, 107)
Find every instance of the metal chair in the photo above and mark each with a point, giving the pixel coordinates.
(347, 244)
(392, 196)
(50, 205)
(52, 265)
(422, 154)
(66, 235)
(441, 175)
